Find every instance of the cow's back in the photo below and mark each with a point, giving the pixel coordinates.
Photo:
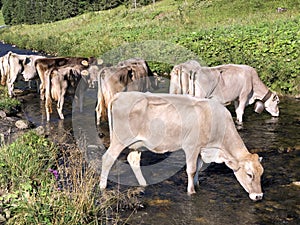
(225, 83)
(167, 122)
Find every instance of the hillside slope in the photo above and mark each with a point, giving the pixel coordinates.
(219, 31)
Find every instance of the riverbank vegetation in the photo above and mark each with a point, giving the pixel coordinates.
(244, 32)
(42, 183)
(7, 104)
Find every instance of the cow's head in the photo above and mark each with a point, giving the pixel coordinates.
(29, 71)
(271, 105)
(248, 172)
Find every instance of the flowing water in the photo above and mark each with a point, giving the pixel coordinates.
(220, 199)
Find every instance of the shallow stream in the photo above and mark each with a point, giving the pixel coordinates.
(220, 200)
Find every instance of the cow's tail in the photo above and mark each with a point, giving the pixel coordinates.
(6, 70)
(152, 78)
(100, 98)
(3, 75)
(110, 118)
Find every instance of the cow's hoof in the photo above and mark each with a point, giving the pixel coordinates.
(191, 192)
(102, 185)
(239, 123)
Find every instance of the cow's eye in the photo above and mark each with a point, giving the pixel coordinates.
(250, 175)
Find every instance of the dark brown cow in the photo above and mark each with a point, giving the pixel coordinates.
(56, 75)
(45, 66)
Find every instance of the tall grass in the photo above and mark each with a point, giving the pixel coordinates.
(1, 19)
(35, 189)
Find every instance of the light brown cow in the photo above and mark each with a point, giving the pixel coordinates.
(13, 64)
(57, 74)
(181, 76)
(228, 83)
(166, 123)
(131, 77)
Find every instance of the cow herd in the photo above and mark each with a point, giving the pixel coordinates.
(192, 117)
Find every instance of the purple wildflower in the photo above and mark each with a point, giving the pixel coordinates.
(55, 173)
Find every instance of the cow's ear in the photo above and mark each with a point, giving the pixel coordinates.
(84, 63)
(26, 61)
(84, 73)
(131, 73)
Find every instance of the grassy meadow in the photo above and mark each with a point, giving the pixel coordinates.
(218, 32)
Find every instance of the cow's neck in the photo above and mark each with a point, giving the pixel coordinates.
(260, 90)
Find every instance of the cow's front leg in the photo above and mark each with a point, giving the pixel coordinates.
(10, 88)
(108, 160)
(239, 110)
(191, 168)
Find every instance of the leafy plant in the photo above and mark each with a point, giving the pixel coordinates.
(7, 103)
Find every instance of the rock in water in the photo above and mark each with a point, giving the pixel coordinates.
(22, 124)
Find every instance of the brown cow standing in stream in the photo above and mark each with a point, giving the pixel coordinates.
(56, 75)
(225, 83)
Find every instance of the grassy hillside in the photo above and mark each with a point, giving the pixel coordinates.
(219, 31)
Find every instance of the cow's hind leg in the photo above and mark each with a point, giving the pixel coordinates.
(199, 165)
(108, 160)
(10, 87)
(239, 110)
(134, 158)
(60, 102)
(191, 169)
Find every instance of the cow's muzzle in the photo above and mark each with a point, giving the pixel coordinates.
(256, 196)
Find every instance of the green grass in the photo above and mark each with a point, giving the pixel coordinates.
(254, 27)
(6, 103)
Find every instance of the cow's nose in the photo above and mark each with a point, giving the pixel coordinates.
(256, 196)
